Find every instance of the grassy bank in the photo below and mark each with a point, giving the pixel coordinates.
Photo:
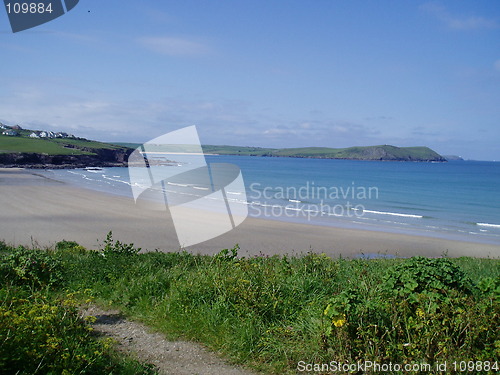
(270, 313)
(51, 146)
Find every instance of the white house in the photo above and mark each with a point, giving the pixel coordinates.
(47, 134)
(10, 132)
(34, 135)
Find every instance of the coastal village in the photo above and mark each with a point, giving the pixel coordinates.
(14, 131)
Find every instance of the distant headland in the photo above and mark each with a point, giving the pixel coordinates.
(381, 153)
(46, 149)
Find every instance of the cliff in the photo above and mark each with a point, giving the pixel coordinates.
(98, 158)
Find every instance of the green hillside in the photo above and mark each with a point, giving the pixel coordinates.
(381, 152)
(51, 146)
(238, 150)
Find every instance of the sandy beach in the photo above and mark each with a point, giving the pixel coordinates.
(35, 210)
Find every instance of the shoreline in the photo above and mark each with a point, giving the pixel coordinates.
(37, 210)
(293, 213)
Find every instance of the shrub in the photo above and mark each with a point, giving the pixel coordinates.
(490, 286)
(423, 311)
(118, 248)
(69, 246)
(3, 246)
(225, 255)
(40, 335)
(426, 275)
(34, 268)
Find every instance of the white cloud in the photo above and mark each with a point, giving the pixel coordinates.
(174, 46)
(471, 23)
(340, 129)
(497, 65)
(278, 132)
(459, 22)
(48, 105)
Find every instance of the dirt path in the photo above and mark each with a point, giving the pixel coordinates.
(169, 357)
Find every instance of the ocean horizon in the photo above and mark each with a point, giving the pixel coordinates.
(455, 200)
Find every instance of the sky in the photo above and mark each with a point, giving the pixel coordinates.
(272, 73)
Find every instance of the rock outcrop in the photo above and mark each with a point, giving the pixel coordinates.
(99, 158)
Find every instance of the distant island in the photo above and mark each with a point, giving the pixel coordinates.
(46, 149)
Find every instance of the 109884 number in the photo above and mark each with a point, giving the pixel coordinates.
(32, 8)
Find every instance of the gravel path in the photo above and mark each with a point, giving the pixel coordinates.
(169, 357)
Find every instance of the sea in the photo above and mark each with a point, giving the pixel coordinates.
(454, 200)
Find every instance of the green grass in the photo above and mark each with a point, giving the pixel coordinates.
(84, 143)
(19, 144)
(238, 150)
(55, 146)
(269, 313)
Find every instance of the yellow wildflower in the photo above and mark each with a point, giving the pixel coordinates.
(90, 319)
(339, 322)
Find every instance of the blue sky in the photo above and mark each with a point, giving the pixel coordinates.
(263, 73)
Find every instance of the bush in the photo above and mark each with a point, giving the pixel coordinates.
(426, 275)
(118, 248)
(69, 246)
(424, 311)
(35, 268)
(3, 247)
(43, 336)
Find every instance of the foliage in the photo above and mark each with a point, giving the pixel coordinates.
(426, 275)
(490, 286)
(228, 254)
(69, 246)
(272, 312)
(424, 311)
(46, 336)
(3, 247)
(118, 248)
(40, 328)
(275, 311)
(35, 268)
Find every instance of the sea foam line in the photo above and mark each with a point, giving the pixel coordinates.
(393, 214)
(489, 225)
